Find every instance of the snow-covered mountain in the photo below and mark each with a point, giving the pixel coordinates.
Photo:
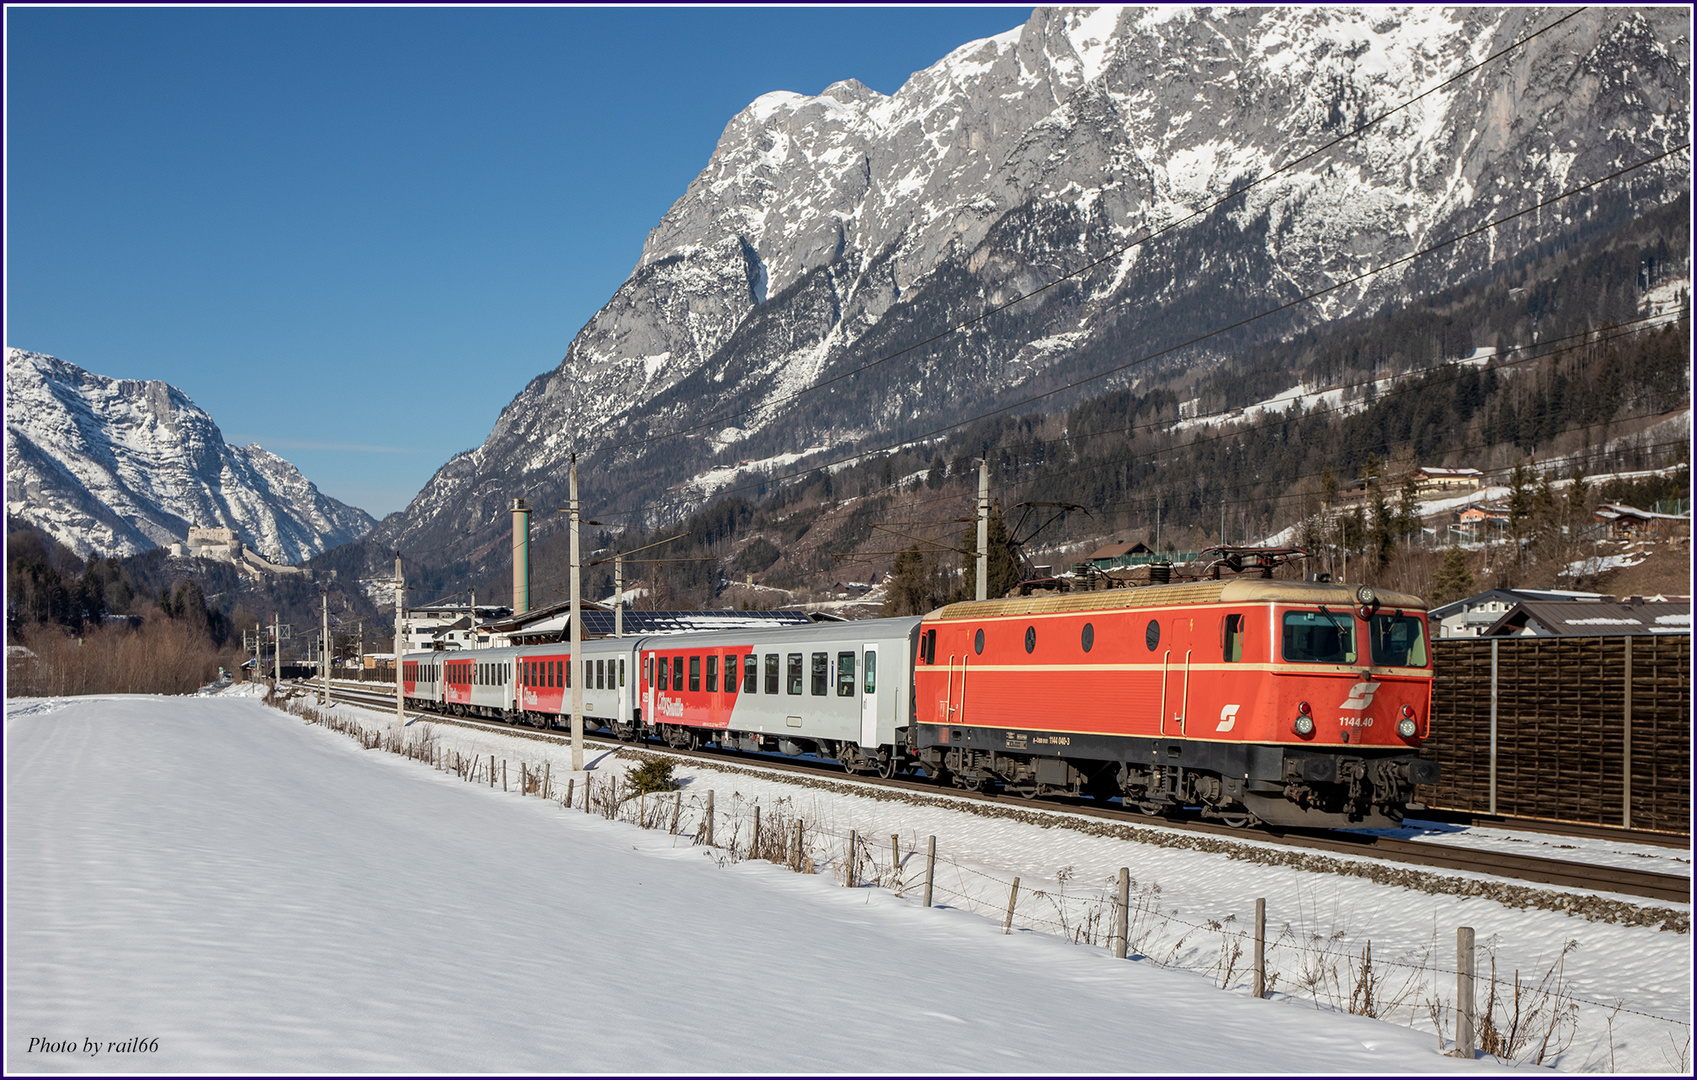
(831, 231)
(118, 466)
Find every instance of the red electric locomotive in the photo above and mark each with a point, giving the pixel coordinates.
(1289, 702)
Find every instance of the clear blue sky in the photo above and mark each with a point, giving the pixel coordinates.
(353, 235)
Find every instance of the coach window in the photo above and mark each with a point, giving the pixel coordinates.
(665, 672)
(713, 674)
(678, 673)
(621, 673)
(694, 674)
(1231, 638)
(821, 673)
(845, 674)
(601, 680)
(751, 675)
(731, 677)
(588, 674)
(793, 663)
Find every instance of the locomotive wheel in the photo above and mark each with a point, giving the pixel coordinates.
(1150, 809)
(1244, 820)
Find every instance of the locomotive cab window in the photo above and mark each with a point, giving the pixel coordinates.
(845, 674)
(1319, 637)
(1231, 638)
(1397, 640)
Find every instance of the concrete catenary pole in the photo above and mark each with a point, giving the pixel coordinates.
(400, 640)
(984, 528)
(324, 649)
(574, 666)
(521, 557)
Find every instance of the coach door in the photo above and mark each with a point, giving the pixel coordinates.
(869, 696)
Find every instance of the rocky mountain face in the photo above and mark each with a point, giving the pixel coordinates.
(119, 466)
(849, 229)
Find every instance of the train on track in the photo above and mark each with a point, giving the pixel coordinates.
(1293, 703)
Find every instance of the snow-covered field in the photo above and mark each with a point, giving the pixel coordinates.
(259, 894)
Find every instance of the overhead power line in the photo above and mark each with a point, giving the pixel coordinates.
(1075, 384)
(1113, 252)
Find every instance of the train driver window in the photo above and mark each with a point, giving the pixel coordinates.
(1319, 637)
(750, 674)
(845, 674)
(1231, 638)
(821, 673)
(713, 674)
(694, 674)
(793, 663)
(678, 673)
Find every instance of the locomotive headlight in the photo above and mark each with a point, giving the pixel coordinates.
(1365, 595)
(1304, 725)
(1406, 727)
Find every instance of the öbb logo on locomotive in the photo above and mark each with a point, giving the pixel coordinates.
(1099, 695)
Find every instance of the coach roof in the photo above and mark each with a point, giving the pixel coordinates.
(1239, 591)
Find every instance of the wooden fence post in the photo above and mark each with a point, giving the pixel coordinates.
(754, 839)
(1626, 743)
(503, 775)
(795, 847)
(571, 794)
(1493, 778)
(677, 809)
(1261, 947)
(1122, 913)
(853, 856)
(1464, 1000)
(896, 861)
(709, 818)
(930, 866)
(1013, 894)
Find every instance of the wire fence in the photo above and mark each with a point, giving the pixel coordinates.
(1531, 1018)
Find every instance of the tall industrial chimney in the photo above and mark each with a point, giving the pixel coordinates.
(521, 557)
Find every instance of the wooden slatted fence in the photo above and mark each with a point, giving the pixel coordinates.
(1588, 729)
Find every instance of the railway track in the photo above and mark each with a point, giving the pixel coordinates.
(1526, 868)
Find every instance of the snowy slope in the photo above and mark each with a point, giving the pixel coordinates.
(119, 466)
(832, 229)
(261, 896)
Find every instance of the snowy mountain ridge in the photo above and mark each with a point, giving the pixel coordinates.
(828, 231)
(119, 466)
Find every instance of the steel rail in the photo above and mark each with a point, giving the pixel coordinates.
(1436, 855)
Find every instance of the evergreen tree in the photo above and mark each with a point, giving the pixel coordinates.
(1453, 579)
